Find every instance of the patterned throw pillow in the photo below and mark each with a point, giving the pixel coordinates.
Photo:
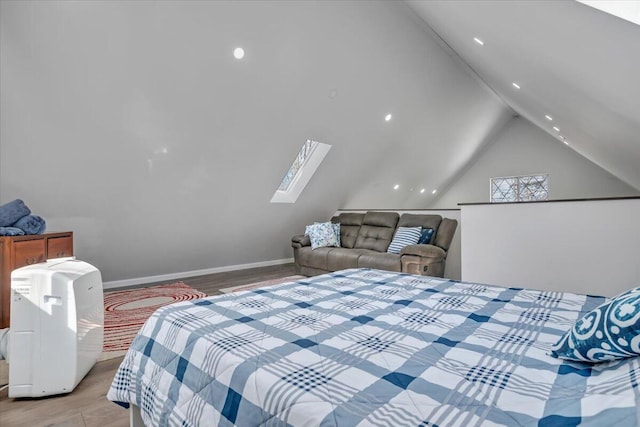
(336, 229)
(608, 332)
(425, 236)
(322, 235)
(405, 236)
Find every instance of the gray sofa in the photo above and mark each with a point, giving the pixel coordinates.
(364, 239)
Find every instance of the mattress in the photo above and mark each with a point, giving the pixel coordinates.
(364, 347)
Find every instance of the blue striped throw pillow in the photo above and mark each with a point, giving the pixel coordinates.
(405, 236)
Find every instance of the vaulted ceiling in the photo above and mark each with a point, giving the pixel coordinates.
(147, 134)
(573, 63)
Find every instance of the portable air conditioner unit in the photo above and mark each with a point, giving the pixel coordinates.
(57, 326)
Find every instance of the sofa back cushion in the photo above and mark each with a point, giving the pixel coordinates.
(418, 220)
(349, 227)
(377, 231)
(444, 228)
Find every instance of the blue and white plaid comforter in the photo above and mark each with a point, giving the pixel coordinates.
(365, 347)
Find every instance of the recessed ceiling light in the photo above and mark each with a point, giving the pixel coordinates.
(434, 191)
(387, 117)
(422, 191)
(395, 187)
(477, 40)
(556, 128)
(549, 118)
(238, 53)
(566, 142)
(516, 85)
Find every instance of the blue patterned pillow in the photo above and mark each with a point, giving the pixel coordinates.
(336, 229)
(608, 332)
(425, 236)
(405, 236)
(322, 235)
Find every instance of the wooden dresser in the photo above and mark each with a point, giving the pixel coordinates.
(18, 251)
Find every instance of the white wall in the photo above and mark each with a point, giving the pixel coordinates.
(131, 123)
(590, 247)
(521, 148)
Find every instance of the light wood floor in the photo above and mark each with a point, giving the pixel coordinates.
(87, 405)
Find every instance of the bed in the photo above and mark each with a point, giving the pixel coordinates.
(365, 347)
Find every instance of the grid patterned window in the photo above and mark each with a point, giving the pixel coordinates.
(519, 188)
(298, 162)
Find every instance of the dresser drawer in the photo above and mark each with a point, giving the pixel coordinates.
(28, 252)
(59, 247)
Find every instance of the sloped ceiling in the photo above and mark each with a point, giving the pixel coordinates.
(132, 124)
(572, 62)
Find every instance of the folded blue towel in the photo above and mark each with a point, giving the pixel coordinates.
(11, 231)
(13, 211)
(31, 224)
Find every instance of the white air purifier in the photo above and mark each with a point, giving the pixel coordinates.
(57, 326)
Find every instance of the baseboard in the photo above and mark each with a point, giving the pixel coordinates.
(151, 279)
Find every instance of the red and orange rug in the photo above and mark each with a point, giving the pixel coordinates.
(126, 311)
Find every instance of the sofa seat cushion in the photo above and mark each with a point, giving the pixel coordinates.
(313, 258)
(381, 261)
(342, 258)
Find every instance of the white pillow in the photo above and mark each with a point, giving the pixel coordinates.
(405, 236)
(321, 235)
(336, 229)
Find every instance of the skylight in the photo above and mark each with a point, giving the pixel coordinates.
(298, 162)
(300, 172)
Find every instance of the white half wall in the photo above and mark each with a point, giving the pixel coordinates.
(588, 247)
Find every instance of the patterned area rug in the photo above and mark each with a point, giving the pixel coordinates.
(126, 311)
(261, 284)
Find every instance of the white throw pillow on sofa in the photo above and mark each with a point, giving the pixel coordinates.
(322, 235)
(405, 236)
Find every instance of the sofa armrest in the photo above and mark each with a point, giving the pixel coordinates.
(425, 251)
(300, 241)
(425, 260)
